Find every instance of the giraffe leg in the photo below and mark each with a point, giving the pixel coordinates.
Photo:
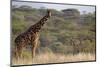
(18, 52)
(34, 44)
(34, 48)
(33, 51)
(37, 48)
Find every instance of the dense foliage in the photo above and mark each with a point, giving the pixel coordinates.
(61, 34)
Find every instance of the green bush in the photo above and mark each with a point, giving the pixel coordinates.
(57, 34)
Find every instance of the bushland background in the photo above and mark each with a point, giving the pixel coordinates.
(68, 36)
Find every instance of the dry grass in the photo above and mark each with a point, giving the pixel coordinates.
(55, 58)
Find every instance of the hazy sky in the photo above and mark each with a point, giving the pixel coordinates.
(56, 6)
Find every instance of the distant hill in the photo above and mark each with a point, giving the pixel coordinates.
(71, 12)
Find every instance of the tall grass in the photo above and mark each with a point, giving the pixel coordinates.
(44, 58)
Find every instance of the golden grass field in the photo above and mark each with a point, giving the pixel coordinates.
(54, 58)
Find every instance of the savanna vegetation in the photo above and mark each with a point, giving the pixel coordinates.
(67, 36)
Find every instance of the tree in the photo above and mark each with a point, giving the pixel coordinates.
(25, 7)
(71, 13)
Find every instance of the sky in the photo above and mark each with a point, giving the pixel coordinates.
(58, 7)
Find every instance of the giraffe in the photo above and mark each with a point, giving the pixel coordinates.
(30, 36)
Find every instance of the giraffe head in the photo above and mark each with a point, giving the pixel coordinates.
(49, 12)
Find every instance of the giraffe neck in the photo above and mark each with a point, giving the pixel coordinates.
(42, 21)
